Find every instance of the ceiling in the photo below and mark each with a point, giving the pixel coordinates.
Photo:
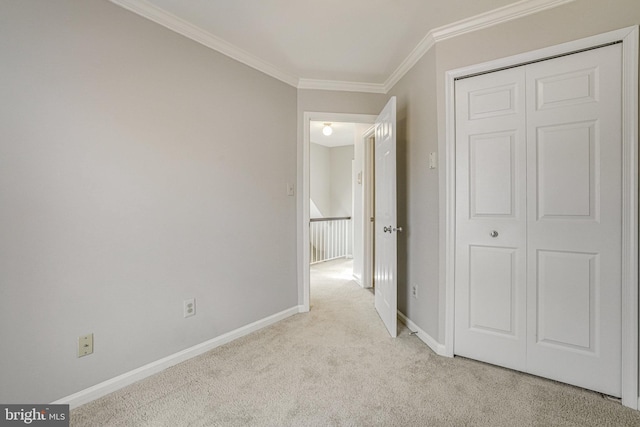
(343, 134)
(310, 43)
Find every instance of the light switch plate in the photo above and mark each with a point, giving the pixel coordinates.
(433, 160)
(291, 190)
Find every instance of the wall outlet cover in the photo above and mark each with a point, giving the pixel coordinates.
(189, 307)
(85, 345)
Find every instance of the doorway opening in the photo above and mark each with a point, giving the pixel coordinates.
(332, 197)
(340, 203)
(385, 262)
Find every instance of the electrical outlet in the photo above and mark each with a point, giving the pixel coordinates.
(85, 345)
(189, 307)
(414, 291)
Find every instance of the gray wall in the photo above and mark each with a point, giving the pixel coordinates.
(137, 169)
(418, 250)
(311, 100)
(330, 179)
(320, 178)
(341, 194)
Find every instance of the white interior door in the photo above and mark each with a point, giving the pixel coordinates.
(539, 220)
(490, 290)
(385, 265)
(575, 219)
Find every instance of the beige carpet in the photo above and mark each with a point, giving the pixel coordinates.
(336, 366)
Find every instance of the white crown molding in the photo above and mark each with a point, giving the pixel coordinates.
(488, 19)
(418, 52)
(180, 26)
(341, 86)
(484, 20)
(494, 17)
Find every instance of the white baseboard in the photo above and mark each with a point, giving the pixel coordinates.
(433, 344)
(113, 384)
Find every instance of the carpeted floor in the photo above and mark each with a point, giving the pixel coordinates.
(337, 366)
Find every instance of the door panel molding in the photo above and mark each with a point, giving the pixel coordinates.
(629, 39)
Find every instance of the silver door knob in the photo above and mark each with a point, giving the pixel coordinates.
(494, 233)
(399, 229)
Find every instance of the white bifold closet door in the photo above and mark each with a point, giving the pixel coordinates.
(538, 218)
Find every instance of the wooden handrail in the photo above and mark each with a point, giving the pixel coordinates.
(337, 218)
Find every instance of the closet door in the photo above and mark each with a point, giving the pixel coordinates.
(490, 287)
(539, 219)
(574, 219)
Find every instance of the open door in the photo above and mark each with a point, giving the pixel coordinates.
(386, 259)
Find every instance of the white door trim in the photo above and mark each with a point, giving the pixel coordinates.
(629, 38)
(303, 213)
(367, 208)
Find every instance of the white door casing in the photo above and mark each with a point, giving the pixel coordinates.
(545, 180)
(385, 265)
(368, 208)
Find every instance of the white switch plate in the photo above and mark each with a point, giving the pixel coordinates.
(433, 160)
(85, 345)
(291, 190)
(189, 307)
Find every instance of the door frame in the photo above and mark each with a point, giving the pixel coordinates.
(630, 44)
(368, 209)
(305, 194)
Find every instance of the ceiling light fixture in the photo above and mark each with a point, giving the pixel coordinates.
(327, 130)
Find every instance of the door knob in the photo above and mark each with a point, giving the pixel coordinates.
(494, 233)
(398, 229)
